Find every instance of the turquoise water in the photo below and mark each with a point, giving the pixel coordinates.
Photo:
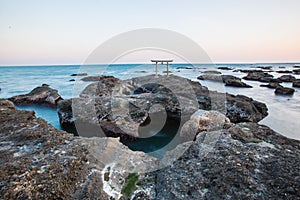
(47, 113)
(284, 112)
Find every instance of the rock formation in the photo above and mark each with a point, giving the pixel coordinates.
(111, 107)
(39, 95)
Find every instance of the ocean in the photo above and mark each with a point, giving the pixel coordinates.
(284, 111)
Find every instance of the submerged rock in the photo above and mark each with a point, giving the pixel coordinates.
(184, 68)
(248, 70)
(225, 68)
(284, 71)
(296, 71)
(259, 76)
(39, 95)
(265, 67)
(296, 83)
(286, 78)
(272, 85)
(229, 80)
(211, 72)
(284, 91)
(236, 83)
(79, 74)
(95, 78)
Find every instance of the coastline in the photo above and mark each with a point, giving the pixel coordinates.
(277, 105)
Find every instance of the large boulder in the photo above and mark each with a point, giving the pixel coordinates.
(39, 95)
(203, 120)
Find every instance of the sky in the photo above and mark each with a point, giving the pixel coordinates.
(35, 32)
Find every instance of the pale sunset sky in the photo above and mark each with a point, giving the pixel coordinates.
(35, 32)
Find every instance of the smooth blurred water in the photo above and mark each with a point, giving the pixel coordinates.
(284, 111)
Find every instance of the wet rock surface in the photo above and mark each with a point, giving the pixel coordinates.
(246, 161)
(39, 95)
(39, 162)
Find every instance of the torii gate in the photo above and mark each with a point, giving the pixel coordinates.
(166, 62)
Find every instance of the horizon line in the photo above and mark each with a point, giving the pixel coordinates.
(185, 63)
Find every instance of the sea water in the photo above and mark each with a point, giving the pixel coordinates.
(284, 111)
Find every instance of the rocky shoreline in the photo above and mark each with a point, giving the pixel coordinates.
(224, 153)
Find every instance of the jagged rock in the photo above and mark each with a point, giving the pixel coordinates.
(244, 109)
(259, 76)
(272, 85)
(239, 163)
(284, 71)
(39, 162)
(296, 83)
(225, 68)
(72, 80)
(284, 91)
(287, 78)
(79, 74)
(39, 95)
